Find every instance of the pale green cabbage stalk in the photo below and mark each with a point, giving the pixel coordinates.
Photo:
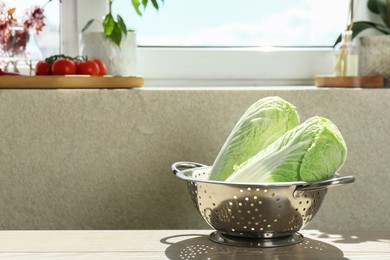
(312, 151)
(262, 123)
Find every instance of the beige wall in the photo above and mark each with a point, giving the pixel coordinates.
(100, 159)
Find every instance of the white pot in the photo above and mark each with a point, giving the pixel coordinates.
(119, 60)
(375, 56)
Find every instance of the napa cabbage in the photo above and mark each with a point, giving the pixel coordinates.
(261, 124)
(312, 151)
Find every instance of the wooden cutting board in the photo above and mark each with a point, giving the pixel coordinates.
(350, 81)
(70, 81)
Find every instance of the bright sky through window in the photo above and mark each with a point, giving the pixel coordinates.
(217, 22)
(238, 23)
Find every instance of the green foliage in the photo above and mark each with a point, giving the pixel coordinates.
(380, 7)
(114, 29)
(358, 27)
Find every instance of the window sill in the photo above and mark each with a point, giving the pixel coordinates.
(233, 66)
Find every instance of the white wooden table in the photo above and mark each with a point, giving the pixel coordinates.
(185, 244)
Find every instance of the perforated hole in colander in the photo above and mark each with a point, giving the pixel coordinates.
(308, 204)
(250, 208)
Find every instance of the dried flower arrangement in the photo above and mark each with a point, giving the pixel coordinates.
(14, 33)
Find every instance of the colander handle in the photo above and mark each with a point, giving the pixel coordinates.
(326, 184)
(187, 165)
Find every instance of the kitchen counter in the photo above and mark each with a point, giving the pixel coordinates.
(185, 244)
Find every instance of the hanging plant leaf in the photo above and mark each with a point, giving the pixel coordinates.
(113, 29)
(373, 6)
(136, 5)
(109, 25)
(145, 3)
(122, 24)
(116, 35)
(380, 7)
(155, 4)
(87, 25)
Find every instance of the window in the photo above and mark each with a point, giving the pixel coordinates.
(219, 42)
(230, 42)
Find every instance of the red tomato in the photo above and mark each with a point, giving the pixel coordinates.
(6, 73)
(102, 66)
(88, 68)
(43, 68)
(64, 67)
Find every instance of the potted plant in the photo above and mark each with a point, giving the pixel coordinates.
(116, 45)
(379, 7)
(374, 50)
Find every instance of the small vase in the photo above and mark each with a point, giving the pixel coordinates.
(18, 46)
(346, 62)
(14, 41)
(120, 60)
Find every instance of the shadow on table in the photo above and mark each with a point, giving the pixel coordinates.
(354, 237)
(195, 246)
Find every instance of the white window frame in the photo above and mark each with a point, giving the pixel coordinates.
(209, 66)
(234, 66)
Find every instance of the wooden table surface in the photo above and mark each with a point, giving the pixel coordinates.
(185, 244)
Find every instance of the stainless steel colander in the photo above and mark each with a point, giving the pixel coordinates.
(254, 214)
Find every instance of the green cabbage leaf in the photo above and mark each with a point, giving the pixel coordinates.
(312, 151)
(263, 123)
